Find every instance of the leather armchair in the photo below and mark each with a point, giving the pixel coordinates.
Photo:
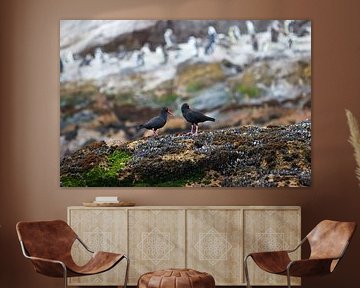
(328, 242)
(48, 246)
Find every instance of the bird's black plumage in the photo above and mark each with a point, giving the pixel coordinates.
(194, 117)
(158, 121)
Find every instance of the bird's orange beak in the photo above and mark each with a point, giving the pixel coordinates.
(170, 113)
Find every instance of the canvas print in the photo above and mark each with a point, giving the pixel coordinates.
(185, 103)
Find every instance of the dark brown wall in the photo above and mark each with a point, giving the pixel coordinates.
(29, 120)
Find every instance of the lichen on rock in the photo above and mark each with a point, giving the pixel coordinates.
(249, 156)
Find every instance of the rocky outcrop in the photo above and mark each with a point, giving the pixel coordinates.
(99, 33)
(133, 34)
(249, 156)
(109, 95)
(273, 79)
(268, 92)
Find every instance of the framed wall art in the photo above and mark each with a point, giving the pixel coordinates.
(185, 103)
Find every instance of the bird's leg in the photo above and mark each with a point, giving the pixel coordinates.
(192, 128)
(155, 133)
(197, 128)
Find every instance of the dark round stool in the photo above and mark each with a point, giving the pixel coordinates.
(176, 278)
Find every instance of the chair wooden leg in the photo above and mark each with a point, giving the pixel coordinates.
(246, 272)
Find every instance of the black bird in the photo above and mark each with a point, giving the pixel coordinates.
(194, 117)
(158, 121)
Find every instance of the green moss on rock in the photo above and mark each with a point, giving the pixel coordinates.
(193, 87)
(72, 181)
(194, 77)
(249, 91)
(105, 174)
